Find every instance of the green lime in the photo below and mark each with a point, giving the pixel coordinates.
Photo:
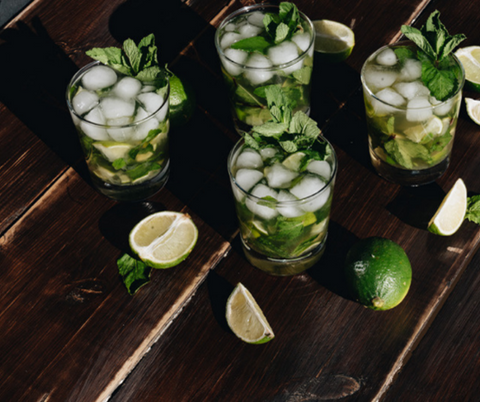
(470, 58)
(182, 101)
(334, 41)
(473, 109)
(378, 273)
(164, 239)
(434, 127)
(246, 319)
(451, 212)
(292, 162)
(113, 150)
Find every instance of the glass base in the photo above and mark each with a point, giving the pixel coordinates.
(409, 178)
(284, 266)
(136, 192)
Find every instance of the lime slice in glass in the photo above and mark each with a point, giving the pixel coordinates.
(164, 239)
(246, 319)
(473, 109)
(113, 150)
(470, 58)
(451, 213)
(292, 162)
(334, 41)
(433, 128)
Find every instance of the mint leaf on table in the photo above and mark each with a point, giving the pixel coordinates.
(134, 273)
(435, 44)
(473, 209)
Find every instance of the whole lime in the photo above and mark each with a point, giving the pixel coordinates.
(182, 101)
(378, 273)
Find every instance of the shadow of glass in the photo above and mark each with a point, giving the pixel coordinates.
(116, 224)
(329, 271)
(219, 289)
(34, 76)
(415, 206)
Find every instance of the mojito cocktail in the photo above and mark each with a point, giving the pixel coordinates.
(283, 203)
(123, 127)
(254, 54)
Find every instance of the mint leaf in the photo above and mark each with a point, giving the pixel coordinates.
(404, 53)
(473, 209)
(441, 82)
(254, 44)
(417, 37)
(150, 74)
(270, 129)
(133, 54)
(142, 170)
(134, 273)
(119, 163)
(404, 151)
(302, 124)
(451, 43)
(281, 33)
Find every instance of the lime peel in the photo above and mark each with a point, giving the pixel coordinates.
(473, 109)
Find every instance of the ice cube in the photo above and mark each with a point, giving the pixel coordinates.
(256, 18)
(238, 56)
(441, 108)
(285, 53)
(152, 102)
(411, 70)
(309, 189)
(263, 211)
(93, 130)
(259, 69)
(278, 176)
(120, 133)
(377, 78)
(84, 101)
(250, 159)
(127, 88)
(230, 27)
(99, 77)
(389, 98)
(249, 30)
(302, 40)
(419, 109)
(141, 130)
(268, 153)
(247, 178)
(387, 58)
(115, 107)
(410, 90)
(288, 209)
(228, 39)
(320, 168)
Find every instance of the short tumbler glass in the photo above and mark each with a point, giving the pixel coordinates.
(410, 132)
(123, 126)
(287, 65)
(283, 209)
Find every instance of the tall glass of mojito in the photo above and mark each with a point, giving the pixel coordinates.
(264, 45)
(283, 190)
(123, 123)
(412, 99)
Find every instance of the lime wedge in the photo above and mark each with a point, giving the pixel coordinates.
(473, 109)
(334, 41)
(246, 319)
(451, 213)
(113, 150)
(433, 127)
(292, 162)
(470, 58)
(164, 239)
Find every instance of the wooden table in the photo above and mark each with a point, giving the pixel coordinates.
(69, 331)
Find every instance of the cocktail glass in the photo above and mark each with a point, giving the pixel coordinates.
(410, 132)
(123, 126)
(283, 206)
(288, 65)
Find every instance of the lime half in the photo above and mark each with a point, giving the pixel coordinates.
(470, 58)
(451, 213)
(334, 41)
(246, 319)
(473, 109)
(164, 239)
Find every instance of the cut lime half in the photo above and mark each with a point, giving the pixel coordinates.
(473, 109)
(470, 58)
(451, 213)
(164, 239)
(334, 41)
(246, 319)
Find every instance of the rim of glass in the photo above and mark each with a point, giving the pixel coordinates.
(334, 166)
(77, 77)
(256, 7)
(409, 43)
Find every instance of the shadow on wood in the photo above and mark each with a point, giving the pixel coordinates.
(219, 289)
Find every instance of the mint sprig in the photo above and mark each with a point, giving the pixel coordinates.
(134, 273)
(278, 28)
(136, 61)
(473, 209)
(435, 44)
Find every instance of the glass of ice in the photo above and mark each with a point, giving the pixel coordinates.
(288, 65)
(123, 127)
(410, 132)
(283, 205)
